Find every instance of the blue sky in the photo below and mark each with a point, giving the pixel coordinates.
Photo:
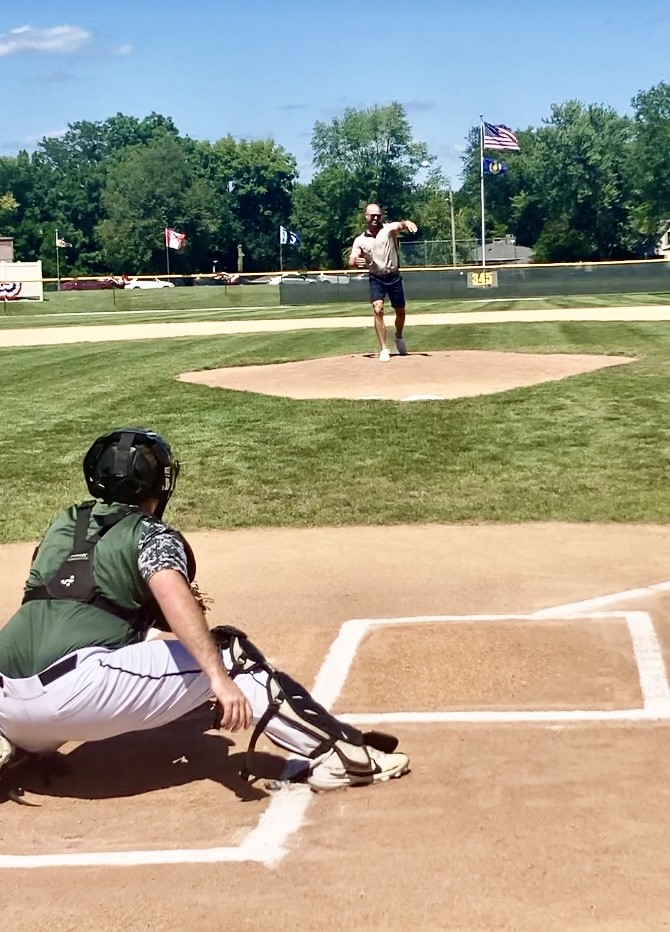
(271, 69)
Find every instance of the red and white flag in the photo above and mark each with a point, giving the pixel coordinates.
(174, 240)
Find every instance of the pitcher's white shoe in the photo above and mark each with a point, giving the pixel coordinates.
(6, 751)
(384, 355)
(331, 774)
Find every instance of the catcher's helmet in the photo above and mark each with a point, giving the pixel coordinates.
(131, 465)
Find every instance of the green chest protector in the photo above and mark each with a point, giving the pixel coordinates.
(74, 580)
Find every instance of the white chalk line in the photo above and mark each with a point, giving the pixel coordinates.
(264, 844)
(586, 605)
(493, 717)
(647, 653)
(286, 812)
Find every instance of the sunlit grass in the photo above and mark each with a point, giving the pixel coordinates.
(260, 302)
(589, 448)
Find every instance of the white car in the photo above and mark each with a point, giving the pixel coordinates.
(334, 279)
(148, 283)
(295, 277)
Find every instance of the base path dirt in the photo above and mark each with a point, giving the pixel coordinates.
(416, 377)
(104, 333)
(516, 825)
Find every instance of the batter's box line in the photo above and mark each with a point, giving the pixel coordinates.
(265, 844)
(647, 652)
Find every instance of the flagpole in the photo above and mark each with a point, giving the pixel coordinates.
(481, 185)
(57, 263)
(281, 257)
(167, 251)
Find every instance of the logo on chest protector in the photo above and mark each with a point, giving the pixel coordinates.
(67, 581)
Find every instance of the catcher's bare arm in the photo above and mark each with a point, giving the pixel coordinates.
(187, 622)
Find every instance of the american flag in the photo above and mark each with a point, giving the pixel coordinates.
(500, 137)
(174, 240)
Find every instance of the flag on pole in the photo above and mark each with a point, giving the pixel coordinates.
(500, 137)
(174, 240)
(61, 243)
(494, 167)
(288, 237)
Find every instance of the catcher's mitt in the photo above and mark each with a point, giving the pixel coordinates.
(203, 600)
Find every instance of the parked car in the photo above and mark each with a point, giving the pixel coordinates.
(334, 279)
(91, 284)
(221, 278)
(146, 283)
(295, 278)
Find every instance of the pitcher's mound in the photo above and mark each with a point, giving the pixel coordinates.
(417, 377)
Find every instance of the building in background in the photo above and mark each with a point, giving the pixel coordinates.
(504, 249)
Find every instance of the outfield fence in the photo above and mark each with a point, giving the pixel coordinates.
(462, 283)
(496, 281)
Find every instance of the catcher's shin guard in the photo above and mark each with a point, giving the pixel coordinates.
(293, 704)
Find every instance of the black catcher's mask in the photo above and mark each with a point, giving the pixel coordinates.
(131, 465)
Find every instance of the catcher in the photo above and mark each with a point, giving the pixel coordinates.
(74, 662)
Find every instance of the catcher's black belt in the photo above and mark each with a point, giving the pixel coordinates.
(54, 672)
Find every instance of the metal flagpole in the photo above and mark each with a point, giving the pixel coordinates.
(281, 257)
(167, 251)
(481, 185)
(57, 263)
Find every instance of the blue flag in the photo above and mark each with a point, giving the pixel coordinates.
(288, 237)
(494, 167)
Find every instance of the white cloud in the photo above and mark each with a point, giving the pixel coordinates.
(419, 106)
(124, 49)
(58, 40)
(49, 77)
(32, 141)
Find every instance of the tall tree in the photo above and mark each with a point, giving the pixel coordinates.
(362, 156)
(571, 176)
(154, 186)
(71, 173)
(256, 179)
(651, 119)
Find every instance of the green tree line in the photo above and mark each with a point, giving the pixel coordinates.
(588, 184)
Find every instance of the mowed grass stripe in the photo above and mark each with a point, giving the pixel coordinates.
(590, 448)
(189, 304)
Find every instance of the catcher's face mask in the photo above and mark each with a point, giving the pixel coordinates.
(131, 465)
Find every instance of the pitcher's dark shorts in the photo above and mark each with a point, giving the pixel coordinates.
(391, 285)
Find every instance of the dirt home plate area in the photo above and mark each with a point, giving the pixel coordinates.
(522, 667)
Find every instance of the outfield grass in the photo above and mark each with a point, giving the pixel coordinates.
(259, 302)
(589, 448)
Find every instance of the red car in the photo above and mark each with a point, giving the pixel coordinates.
(92, 284)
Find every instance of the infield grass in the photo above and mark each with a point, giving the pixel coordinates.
(592, 447)
(257, 302)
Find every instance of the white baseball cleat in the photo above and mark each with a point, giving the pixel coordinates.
(6, 751)
(384, 355)
(331, 773)
(401, 346)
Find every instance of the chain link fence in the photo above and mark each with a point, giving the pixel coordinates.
(438, 252)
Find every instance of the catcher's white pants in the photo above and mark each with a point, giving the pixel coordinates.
(113, 692)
